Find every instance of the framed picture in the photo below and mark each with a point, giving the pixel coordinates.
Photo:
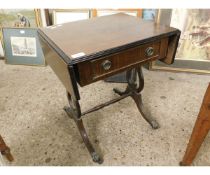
(149, 14)
(63, 16)
(22, 46)
(193, 53)
(19, 18)
(104, 12)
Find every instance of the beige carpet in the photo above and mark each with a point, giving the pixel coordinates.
(39, 132)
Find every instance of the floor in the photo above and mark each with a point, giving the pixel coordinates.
(39, 132)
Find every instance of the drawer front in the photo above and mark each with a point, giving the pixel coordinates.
(124, 59)
(97, 69)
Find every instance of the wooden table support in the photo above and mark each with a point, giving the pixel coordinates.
(5, 150)
(201, 129)
(104, 50)
(133, 90)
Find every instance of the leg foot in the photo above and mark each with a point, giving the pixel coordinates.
(138, 100)
(155, 124)
(7, 153)
(5, 150)
(96, 158)
(182, 164)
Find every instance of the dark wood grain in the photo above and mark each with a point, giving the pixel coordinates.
(123, 59)
(200, 130)
(64, 72)
(105, 35)
(91, 71)
(172, 47)
(120, 39)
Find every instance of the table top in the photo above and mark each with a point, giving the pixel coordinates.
(95, 37)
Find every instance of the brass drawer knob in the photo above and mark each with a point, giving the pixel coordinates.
(106, 64)
(149, 51)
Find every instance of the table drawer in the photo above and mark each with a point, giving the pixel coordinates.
(109, 65)
(124, 59)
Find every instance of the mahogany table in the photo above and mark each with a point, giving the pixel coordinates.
(83, 52)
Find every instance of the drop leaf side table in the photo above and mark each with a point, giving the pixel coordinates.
(86, 51)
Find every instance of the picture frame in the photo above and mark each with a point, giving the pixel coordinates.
(149, 14)
(104, 12)
(12, 17)
(22, 47)
(193, 53)
(45, 13)
(43, 17)
(19, 18)
(60, 16)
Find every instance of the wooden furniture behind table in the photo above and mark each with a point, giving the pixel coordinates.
(200, 130)
(5, 150)
(138, 12)
(83, 52)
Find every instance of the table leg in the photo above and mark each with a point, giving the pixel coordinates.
(5, 150)
(136, 93)
(138, 100)
(200, 130)
(132, 90)
(74, 112)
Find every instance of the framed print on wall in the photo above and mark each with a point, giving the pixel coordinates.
(149, 14)
(69, 15)
(19, 18)
(193, 53)
(22, 46)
